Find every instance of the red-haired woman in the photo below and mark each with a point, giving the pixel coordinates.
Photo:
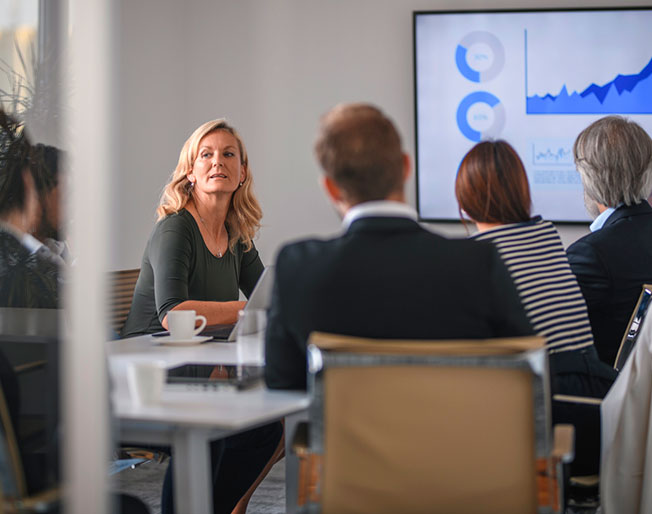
(492, 190)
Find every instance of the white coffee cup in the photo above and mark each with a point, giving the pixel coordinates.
(145, 381)
(181, 324)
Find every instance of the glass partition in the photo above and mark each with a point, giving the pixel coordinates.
(30, 272)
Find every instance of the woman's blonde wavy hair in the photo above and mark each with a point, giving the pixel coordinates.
(243, 217)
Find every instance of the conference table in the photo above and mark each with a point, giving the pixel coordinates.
(188, 420)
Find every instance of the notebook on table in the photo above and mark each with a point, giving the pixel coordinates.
(202, 376)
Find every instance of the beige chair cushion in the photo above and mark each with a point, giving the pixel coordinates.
(448, 440)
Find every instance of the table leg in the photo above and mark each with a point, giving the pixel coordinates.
(192, 472)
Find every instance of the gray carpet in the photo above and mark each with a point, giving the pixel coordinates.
(145, 483)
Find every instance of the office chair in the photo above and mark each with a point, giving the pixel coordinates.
(583, 491)
(15, 493)
(121, 289)
(626, 469)
(430, 426)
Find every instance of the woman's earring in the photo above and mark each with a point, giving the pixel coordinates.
(241, 183)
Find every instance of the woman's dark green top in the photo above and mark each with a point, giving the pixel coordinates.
(177, 266)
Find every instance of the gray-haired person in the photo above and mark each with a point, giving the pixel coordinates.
(614, 158)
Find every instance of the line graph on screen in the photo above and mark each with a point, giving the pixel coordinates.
(624, 94)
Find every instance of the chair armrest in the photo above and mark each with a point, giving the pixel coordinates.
(30, 366)
(567, 398)
(585, 481)
(564, 443)
(38, 502)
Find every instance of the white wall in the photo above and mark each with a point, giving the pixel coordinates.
(272, 68)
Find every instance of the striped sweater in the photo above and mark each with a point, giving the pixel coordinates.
(536, 260)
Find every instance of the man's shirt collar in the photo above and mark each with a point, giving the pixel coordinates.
(601, 219)
(383, 208)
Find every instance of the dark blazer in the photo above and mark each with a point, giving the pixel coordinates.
(386, 278)
(611, 265)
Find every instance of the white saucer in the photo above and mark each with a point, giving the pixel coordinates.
(169, 340)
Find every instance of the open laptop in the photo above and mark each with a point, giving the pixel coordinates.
(634, 327)
(260, 298)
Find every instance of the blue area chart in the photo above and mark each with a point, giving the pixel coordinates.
(466, 125)
(626, 94)
(490, 56)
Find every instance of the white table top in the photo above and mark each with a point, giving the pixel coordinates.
(188, 420)
(229, 410)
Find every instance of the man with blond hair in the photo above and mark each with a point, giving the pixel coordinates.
(386, 276)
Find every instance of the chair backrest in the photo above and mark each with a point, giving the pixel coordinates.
(634, 326)
(438, 427)
(12, 476)
(30, 322)
(15, 493)
(121, 287)
(29, 376)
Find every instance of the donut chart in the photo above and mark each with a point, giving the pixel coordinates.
(495, 57)
(478, 129)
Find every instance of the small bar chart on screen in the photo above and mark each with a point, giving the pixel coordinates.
(624, 94)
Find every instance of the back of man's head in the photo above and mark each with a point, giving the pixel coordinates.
(614, 158)
(359, 149)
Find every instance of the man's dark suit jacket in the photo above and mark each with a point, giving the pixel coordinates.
(611, 265)
(386, 277)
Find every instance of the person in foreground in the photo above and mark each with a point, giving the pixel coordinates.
(199, 256)
(201, 252)
(386, 276)
(492, 189)
(614, 159)
(30, 278)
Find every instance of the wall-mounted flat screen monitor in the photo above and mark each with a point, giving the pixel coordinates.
(532, 78)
